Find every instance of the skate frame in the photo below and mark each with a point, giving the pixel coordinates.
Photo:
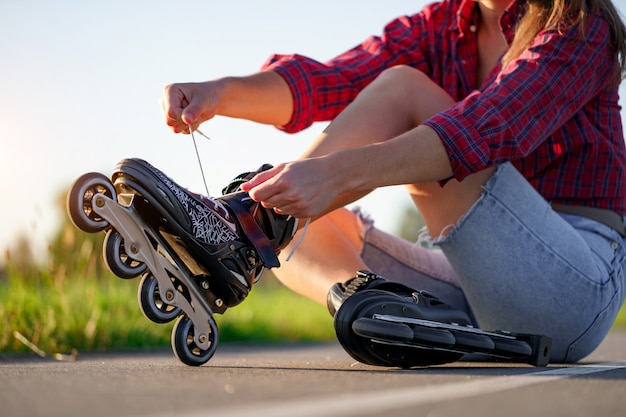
(539, 346)
(144, 245)
(440, 325)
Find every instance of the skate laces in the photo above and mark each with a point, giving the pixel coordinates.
(195, 145)
(295, 246)
(206, 187)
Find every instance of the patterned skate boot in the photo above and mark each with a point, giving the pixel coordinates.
(232, 239)
(382, 323)
(197, 256)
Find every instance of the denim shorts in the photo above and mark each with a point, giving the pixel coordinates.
(515, 264)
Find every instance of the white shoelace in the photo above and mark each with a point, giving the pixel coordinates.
(206, 187)
(295, 246)
(195, 145)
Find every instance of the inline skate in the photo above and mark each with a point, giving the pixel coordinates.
(383, 323)
(196, 255)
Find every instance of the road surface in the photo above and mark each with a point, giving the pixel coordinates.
(307, 380)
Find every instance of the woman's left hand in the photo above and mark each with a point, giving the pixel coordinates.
(303, 189)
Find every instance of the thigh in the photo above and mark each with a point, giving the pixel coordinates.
(398, 100)
(525, 268)
(442, 207)
(419, 267)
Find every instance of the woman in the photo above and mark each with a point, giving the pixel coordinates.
(501, 119)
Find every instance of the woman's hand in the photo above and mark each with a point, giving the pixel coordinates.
(303, 189)
(185, 104)
(263, 97)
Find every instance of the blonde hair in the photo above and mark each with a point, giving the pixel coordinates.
(563, 14)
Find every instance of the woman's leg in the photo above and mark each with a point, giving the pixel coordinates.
(522, 266)
(343, 242)
(525, 268)
(400, 99)
(329, 253)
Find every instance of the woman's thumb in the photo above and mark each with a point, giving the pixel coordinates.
(188, 116)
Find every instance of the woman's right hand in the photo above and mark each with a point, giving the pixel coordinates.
(263, 97)
(185, 104)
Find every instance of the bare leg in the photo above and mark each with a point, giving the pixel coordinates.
(400, 99)
(330, 253)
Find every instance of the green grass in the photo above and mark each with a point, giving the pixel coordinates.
(620, 321)
(62, 314)
(73, 302)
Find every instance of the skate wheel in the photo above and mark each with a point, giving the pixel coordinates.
(116, 257)
(383, 343)
(79, 200)
(512, 348)
(377, 329)
(151, 304)
(433, 337)
(473, 342)
(185, 347)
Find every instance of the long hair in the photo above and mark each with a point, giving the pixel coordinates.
(563, 14)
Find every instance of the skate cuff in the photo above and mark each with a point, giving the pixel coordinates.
(365, 280)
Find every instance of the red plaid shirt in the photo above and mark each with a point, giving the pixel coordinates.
(552, 111)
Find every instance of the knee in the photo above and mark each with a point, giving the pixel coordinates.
(412, 91)
(403, 73)
(401, 79)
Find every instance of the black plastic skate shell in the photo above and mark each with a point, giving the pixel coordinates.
(148, 235)
(414, 329)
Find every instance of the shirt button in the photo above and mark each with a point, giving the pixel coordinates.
(614, 245)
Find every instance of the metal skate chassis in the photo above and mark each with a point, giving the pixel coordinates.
(172, 285)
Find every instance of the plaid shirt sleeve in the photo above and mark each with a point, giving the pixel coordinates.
(323, 90)
(530, 99)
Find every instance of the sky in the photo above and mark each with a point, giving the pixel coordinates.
(80, 85)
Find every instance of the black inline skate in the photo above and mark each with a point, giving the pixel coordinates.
(383, 323)
(197, 255)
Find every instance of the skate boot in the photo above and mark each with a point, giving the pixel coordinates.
(383, 323)
(197, 255)
(232, 237)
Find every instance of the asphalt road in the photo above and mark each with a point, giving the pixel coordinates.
(307, 380)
